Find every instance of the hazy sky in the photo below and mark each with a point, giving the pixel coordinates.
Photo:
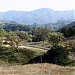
(29, 5)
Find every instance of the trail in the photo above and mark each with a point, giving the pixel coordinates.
(29, 47)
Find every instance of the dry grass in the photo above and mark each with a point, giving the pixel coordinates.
(37, 69)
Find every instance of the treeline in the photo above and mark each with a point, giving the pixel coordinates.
(34, 35)
(68, 30)
(19, 27)
(28, 32)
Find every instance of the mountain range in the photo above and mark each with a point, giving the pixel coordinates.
(39, 16)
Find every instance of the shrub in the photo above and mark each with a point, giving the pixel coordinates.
(58, 55)
(55, 37)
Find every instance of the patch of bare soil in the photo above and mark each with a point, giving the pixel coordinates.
(37, 69)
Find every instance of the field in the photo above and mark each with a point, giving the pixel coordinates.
(37, 69)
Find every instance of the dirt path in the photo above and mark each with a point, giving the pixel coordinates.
(35, 45)
(32, 48)
(28, 47)
(37, 69)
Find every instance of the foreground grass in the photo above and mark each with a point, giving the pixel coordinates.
(37, 69)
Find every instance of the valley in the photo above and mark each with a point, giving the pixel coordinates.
(42, 48)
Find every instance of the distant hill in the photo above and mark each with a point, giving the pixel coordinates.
(68, 30)
(40, 16)
(59, 24)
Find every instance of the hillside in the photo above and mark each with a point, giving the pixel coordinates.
(40, 16)
(68, 30)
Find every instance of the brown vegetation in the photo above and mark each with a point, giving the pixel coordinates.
(37, 69)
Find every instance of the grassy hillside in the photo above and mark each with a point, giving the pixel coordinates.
(10, 56)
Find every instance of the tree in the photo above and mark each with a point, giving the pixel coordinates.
(3, 33)
(41, 34)
(58, 55)
(68, 30)
(55, 37)
(15, 26)
(14, 39)
(22, 34)
(70, 44)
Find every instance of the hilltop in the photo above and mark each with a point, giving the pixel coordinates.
(40, 16)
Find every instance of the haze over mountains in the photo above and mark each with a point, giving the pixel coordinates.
(40, 16)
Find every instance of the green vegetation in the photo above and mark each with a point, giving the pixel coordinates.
(15, 26)
(10, 56)
(59, 55)
(55, 37)
(62, 49)
(41, 34)
(68, 30)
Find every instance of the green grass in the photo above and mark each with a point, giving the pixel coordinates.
(10, 56)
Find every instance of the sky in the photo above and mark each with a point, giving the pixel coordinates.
(30, 5)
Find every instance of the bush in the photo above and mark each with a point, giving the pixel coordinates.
(58, 55)
(55, 37)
